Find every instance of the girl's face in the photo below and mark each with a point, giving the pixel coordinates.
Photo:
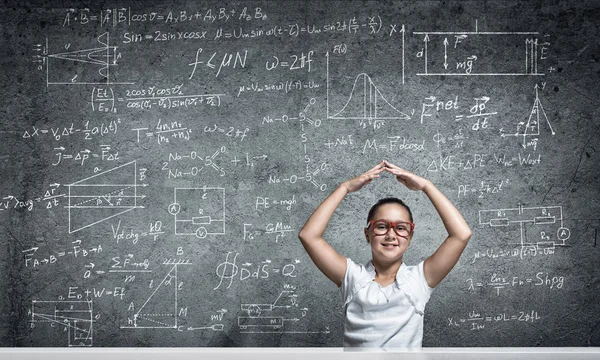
(388, 247)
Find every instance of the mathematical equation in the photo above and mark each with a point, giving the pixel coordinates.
(476, 321)
(228, 271)
(499, 282)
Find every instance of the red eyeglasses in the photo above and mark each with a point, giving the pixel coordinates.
(402, 228)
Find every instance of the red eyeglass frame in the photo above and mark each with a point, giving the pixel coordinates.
(393, 226)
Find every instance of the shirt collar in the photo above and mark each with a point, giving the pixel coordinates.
(371, 270)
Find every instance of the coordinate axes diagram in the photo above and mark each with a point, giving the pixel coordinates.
(103, 196)
(365, 102)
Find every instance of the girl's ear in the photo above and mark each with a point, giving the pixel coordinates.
(366, 230)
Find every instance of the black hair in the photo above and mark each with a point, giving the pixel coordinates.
(388, 200)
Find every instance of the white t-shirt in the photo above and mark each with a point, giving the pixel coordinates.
(390, 316)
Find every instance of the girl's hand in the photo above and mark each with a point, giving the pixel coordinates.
(410, 180)
(358, 182)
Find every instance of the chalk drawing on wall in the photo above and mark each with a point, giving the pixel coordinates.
(73, 318)
(93, 65)
(365, 102)
(286, 299)
(256, 322)
(199, 211)
(545, 221)
(532, 127)
(103, 196)
(462, 53)
(160, 309)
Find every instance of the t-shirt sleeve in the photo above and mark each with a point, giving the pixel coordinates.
(349, 280)
(421, 284)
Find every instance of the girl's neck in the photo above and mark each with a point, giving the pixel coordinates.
(387, 270)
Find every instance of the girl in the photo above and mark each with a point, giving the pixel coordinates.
(384, 300)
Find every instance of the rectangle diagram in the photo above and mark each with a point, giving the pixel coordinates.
(199, 211)
(102, 196)
(73, 318)
(274, 322)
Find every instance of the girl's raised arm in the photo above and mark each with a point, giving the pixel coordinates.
(439, 264)
(329, 261)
